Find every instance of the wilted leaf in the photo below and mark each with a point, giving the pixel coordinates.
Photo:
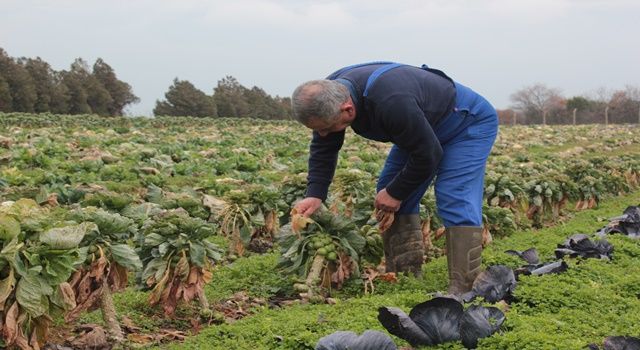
(154, 269)
(64, 297)
(385, 219)
(88, 302)
(156, 293)
(67, 237)
(299, 221)
(344, 267)
(99, 267)
(10, 329)
(182, 268)
(118, 277)
(207, 276)
(6, 287)
(96, 338)
(170, 295)
(140, 338)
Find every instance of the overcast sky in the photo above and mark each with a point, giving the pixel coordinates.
(494, 46)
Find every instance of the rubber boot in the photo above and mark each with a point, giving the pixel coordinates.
(403, 246)
(464, 256)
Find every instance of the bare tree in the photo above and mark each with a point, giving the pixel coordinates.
(624, 107)
(633, 92)
(506, 116)
(619, 106)
(538, 100)
(601, 95)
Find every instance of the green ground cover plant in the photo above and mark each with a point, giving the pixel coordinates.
(592, 300)
(233, 181)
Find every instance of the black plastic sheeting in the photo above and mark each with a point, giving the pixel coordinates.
(580, 245)
(542, 269)
(444, 319)
(530, 255)
(627, 224)
(479, 322)
(552, 267)
(618, 343)
(534, 267)
(369, 340)
(496, 283)
(441, 320)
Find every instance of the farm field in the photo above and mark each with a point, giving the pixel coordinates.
(183, 226)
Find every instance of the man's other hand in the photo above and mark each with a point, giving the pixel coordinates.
(308, 206)
(385, 202)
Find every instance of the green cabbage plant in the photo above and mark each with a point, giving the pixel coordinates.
(178, 259)
(34, 269)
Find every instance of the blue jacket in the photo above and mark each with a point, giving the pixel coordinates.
(402, 106)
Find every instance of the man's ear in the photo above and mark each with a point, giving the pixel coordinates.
(349, 107)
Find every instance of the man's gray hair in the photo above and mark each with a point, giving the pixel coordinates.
(319, 99)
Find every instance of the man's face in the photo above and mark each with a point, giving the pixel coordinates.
(324, 128)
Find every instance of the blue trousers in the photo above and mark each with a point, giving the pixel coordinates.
(466, 136)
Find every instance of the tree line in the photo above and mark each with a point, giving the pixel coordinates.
(229, 99)
(539, 104)
(32, 86)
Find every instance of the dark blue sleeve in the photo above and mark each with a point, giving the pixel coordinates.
(408, 126)
(323, 158)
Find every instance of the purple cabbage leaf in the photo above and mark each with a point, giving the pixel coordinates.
(369, 340)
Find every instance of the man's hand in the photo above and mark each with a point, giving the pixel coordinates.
(308, 206)
(385, 219)
(385, 202)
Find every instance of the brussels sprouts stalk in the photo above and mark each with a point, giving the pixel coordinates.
(202, 298)
(314, 273)
(109, 313)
